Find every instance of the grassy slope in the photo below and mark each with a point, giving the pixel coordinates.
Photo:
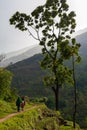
(38, 118)
(7, 108)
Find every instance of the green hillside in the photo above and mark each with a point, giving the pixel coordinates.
(28, 79)
(37, 117)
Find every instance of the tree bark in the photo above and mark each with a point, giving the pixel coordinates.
(57, 98)
(75, 94)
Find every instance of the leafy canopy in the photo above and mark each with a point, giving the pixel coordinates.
(52, 24)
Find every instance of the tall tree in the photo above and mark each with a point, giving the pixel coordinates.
(52, 25)
(75, 58)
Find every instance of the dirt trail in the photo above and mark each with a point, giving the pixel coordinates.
(14, 114)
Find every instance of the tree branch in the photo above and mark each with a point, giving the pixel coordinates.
(32, 34)
(48, 51)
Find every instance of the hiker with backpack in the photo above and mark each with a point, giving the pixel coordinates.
(18, 103)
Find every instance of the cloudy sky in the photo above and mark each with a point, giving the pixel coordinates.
(12, 39)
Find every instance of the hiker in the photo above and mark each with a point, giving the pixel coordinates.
(23, 103)
(18, 103)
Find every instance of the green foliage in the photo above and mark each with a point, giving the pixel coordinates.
(50, 103)
(13, 94)
(54, 21)
(6, 92)
(38, 100)
(6, 108)
(5, 83)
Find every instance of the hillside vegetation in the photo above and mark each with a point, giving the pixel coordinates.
(28, 79)
(38, 117)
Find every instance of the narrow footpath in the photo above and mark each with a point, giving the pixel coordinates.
(14, 114)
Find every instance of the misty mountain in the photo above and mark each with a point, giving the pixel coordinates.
(82, 39)
(20, 55)
(25, 53)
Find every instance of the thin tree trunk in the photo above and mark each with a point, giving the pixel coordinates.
(56, 90)
(56, 93)
(75, 94)
(57, 98)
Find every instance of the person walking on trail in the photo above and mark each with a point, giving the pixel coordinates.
(18, 103)
(23, 103)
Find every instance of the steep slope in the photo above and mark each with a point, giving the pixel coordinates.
(28, 77)
(37, 118)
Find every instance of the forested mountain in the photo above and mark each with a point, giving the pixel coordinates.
(28, 76)
(28, 79)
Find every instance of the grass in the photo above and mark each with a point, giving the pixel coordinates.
(7, 108)
(23, 121)
(37, 118)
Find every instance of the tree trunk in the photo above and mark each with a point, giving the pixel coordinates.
(56, 90)
(57, 98)
(75, 104)
(75, 94)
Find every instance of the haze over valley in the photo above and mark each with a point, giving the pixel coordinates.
(13, 57)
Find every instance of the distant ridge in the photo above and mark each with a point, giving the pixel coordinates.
(20, 55)
(27, 52)
(77, 33)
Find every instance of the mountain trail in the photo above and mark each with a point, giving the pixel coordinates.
(14, 114)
